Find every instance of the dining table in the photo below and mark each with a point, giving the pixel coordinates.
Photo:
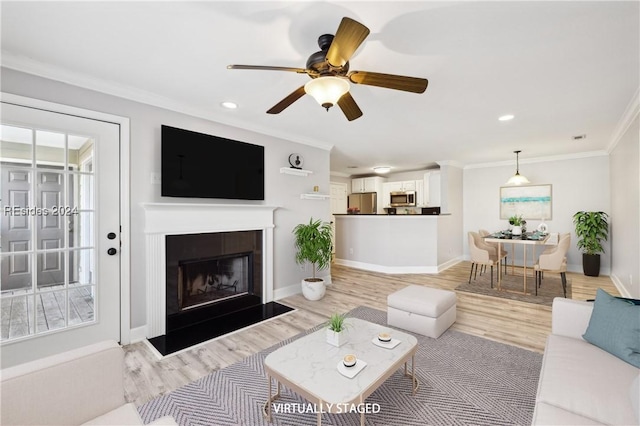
(526, 239)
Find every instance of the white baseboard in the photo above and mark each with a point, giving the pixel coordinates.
(281, 293)
(388, 269)
(138, 334)
(449, 264)
(620, 286)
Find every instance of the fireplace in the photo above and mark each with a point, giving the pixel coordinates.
(206, 242)
(214, 280)
(211, 274)
(166, 221)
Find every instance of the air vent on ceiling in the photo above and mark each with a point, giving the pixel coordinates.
(579, 137)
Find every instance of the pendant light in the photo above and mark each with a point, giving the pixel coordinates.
(517, 179)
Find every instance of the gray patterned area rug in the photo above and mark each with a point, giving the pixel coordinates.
(464, 380)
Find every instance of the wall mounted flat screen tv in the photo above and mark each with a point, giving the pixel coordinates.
(197, 165)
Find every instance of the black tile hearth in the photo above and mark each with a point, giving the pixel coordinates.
(185, 337)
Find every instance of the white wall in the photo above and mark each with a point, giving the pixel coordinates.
(625, 211)
(451, 229)
(280, 190)
(577, 184)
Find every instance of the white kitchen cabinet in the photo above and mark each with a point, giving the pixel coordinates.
(432, 188)
(367, 184)
(405, 185)
(409, 185)
(420, 199)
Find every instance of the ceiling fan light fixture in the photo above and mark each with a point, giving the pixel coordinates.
(517, 179)
(327, 90)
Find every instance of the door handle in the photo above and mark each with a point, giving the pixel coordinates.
(111, 251)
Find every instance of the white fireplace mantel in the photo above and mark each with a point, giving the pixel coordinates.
(162, 219)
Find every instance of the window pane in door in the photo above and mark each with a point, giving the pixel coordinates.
(81, 267)
(15, 221)
(50, 148)
(16, 144)
(50, 269)
(81, 305)
(16, 272)
(17, 318)
(81, 230)
(51, 310)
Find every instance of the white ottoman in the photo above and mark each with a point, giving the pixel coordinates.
(423, 310)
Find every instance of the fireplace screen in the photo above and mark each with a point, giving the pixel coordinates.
(210, 280)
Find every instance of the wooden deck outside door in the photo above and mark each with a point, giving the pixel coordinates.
(60, 224)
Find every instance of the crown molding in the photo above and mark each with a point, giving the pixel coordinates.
(48, 71)
(630, 114)
(563, 157)
(451, 163)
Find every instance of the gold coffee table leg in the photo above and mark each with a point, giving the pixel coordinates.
(414, 380)
(266, 408)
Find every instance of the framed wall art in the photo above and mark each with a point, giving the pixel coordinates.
(530, 201)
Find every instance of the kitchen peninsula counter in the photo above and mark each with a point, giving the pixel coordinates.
(400, 243)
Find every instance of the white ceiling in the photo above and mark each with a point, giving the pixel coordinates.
(562, 68)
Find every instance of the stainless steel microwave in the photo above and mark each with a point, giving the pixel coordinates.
(403, 199)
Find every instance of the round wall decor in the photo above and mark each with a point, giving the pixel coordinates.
(296, 161)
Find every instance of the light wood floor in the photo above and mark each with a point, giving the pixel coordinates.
(516, 323)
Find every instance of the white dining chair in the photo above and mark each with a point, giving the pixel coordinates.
(554, 261)
(484, 233)
(480, 255)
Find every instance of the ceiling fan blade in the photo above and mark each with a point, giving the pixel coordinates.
(389, 81)
(348, 38)
(349, 107)
(270, 68)
(294, 96)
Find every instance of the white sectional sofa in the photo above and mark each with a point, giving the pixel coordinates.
(581, 384)
(82, 386)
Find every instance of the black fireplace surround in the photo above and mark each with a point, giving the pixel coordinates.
(221, 301)
(190, 248)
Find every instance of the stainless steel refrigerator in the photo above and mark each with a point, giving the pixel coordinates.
(367, 203)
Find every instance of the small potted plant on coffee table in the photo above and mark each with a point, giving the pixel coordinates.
(336, 330)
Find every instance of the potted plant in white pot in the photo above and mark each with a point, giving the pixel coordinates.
(517, 222)
(336, 330)
(313, 245)
(592, 230)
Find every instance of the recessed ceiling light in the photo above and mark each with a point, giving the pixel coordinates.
(506, 117)
(229, 105)
(382, 169)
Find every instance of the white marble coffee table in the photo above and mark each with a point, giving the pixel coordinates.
(308, 366)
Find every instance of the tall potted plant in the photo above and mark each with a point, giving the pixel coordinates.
(313, 245)
(592, 229)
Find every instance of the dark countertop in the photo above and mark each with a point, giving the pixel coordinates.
(391, 215)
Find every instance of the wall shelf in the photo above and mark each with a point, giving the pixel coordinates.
(314, 196)
(295, 172)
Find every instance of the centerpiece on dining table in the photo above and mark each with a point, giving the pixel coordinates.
(519, 225)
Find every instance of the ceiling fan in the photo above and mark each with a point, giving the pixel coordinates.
(330, 75)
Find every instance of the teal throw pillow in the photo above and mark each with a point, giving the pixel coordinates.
(615, 327)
